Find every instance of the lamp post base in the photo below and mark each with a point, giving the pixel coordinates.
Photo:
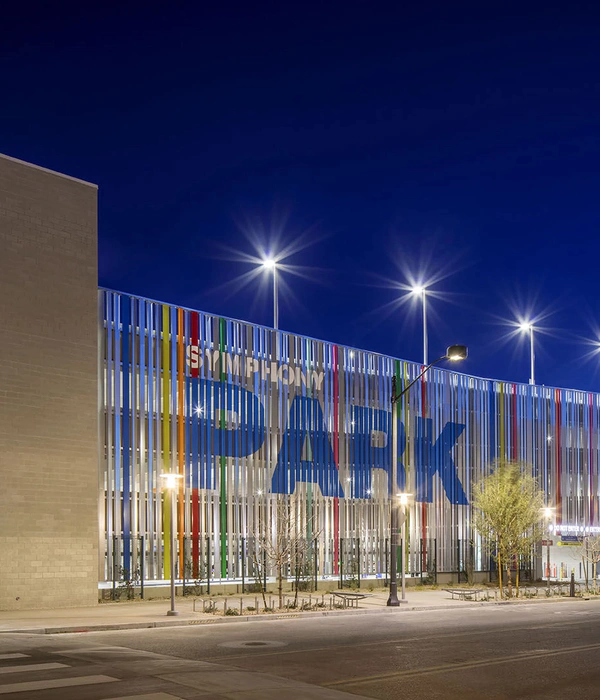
(172, 613)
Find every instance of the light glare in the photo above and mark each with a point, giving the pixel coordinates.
(454, 353)
(170, 479)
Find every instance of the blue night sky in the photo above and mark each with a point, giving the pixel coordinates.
(376, 140)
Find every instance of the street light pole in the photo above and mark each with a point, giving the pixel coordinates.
(403, 502)
(393, 597)
(425, 339)
(532, 357)
(528, 327)
(172, 611)
(275, 299)
(170, 481)
(270, 264)
(454, 353)
(422, 292)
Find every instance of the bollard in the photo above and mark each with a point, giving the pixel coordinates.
(572, 585)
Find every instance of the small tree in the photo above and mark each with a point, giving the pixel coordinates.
(285, 544)
(259, 571)
(523, 546)
(508, 506)
(590, 554)
(301, 564)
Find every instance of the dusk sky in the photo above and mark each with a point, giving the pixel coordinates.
(376, 141)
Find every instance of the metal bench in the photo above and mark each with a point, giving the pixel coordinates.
(464, 593)
(350, 600)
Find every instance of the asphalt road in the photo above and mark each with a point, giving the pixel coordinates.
(547, 650)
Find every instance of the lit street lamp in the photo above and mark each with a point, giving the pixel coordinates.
(270, 264)
(454, 353)
(527, 327)
(170, 481)
(420, 291)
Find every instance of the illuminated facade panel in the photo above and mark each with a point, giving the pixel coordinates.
(255, 419)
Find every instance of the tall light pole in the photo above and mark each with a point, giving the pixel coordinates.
(454, 353)
(270, 264)
(403, 498)
(170, 480)
(548, 514)
(527, 327)
(420, 291)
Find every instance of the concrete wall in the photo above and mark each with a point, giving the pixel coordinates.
(48, 389)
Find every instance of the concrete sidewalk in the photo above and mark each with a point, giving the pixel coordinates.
(144, 614)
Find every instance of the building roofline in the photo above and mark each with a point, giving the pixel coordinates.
(450, 369)
(47, 170)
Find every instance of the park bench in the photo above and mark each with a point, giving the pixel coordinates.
(464, 593)
(350, 600)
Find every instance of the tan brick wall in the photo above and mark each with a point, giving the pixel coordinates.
(48, 389)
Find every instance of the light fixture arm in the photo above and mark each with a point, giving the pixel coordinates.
(397, 397)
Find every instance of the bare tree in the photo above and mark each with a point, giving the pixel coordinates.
(286, 542)
(259, 571)
(590, 554)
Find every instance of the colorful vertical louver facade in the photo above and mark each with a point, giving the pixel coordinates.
(253, 418)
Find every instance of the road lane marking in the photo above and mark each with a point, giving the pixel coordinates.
(4, 657)
(32, 667)
(444, 668)
(55, 683)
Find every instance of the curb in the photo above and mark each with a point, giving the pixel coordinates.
(157, 624)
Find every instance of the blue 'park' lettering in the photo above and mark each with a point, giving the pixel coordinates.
(230, 422)
(371, 448)
(306, 453)
(436, 458)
